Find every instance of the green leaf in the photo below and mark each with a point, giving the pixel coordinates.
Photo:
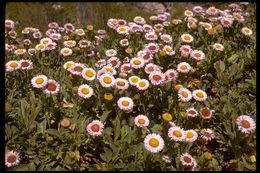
(233, 58)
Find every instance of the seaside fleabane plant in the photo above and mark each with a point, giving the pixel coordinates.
(85, 91)
(125, 103)
(141, 121)
(52, 87)
(154, 143)
(245, 124)
(39, 81)
(95, 128)
(12, 158)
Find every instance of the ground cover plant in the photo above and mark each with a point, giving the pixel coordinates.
(144, 93)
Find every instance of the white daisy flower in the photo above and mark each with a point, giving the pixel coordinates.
(166, 38)
(188, 13)
(111, 52)
(246, 124)
(137, 63)
(146, 56)
(206, 113)
(142, 84)
(171, 75)
(9, 24)
(207, 134)
(212, 11)
(40, 47)
(39, 81)
(107, 80)
(197, 55)
(218, 46)
(85, 91)
(133, 80)
(186, 49)
(149, 68)
(187, 38)
(69, 27)
(101, 63)
(125, 103)
(141, 121)
(199, 95)
(191, 135)
(198, 9)
(80, 32)
(89, 74)
(184, 94)
(121, 84)
(109, 69)
(183, 67)
(151, 36)
(69, 43)
(139, 20)
(147, 28)
(246, 31)
(152, 48)
(95, 128)
(124, 42)
(126, 68)
(158, 27)
(191, 112)
(153, 143)
(68, 64)
(156, 77)
(176, 133)
(52, 87)
(168, 50)
(12, 159)
(188, 161)
(12, 65)
(66, 51)
(122, 30)
(45, 40)
(37, 35)
(135, 28)
(20, 52)
(226, 22)
(26, 64)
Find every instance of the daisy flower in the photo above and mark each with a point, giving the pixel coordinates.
(85, 91)
(80, 32)
(143, 84)
(212, 11)
(149, 68)
(198, 55)
(52, 87)
(121, 22)
(239, 17)
(69, 43)
(133, 80)
(146, 56)
(198, 9)
(122, 30)
(12, 158)
(206, 113)
(153, 143)
(12, 34)
(109, 69)
(153, 18)
(139, 20)
(184, 94)
(135, 28)
(12, 65)
(246, 31)
(141, 121)
(39, 81)
(168, 50)
(171, 74)
(88, 74)
(9, 24)
(158, 27)
(166, 38)
(95, 128)
(183, 67)
(51, 46)
(207, 26)
(124, 42)
(218, 46)
(20, 52)
(69, 27)
(121, 83)
(68, 64)
(188, 161)
(166, 159)
(37, 35)
(188, 13)
(101, 63)
(45, 40)
(147, 28)
(77, 68)
(156, 77)
(191, 135)
(226, 22)
(187, 38)
(55, 36)
(84, 43)
(66, 51)
(126, 68)
(53, 25)
(31, 51)
(207, 134)
(125, 103)
(186, 49)
(191, 112)
(137, 63)
(26, 64)
(40, 47)
(245, 124)
(176, 133)
(107, 80)
(152, 48)
(161, 17)
(199, 95)
(111, 52)
(151, 36)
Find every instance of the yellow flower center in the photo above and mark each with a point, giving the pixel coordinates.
(245, 124)
(197, 54)
(66, 51)
(109, 70)
(177, 133)
(39, 81)
(125, 103)
(184, 94)
(137, 62)
(246, 30)
(188, 13)
(134, 80)
(121, 83)
(69, 65)
(40, 46)
(107, 80)
(69, 42)
(154, 142)
(45, 41)
(218, 46)
(89, 73)
(168, 49)
(85, 90)
(186, 37)
(122, 29)
(184, 67)
(189, 135)
(142, 84)
(20, 51)
(141, 121)
(139, 19)
(108, 96)
(14, 64)
(200, 94)
(167, 117)
(95, 128)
